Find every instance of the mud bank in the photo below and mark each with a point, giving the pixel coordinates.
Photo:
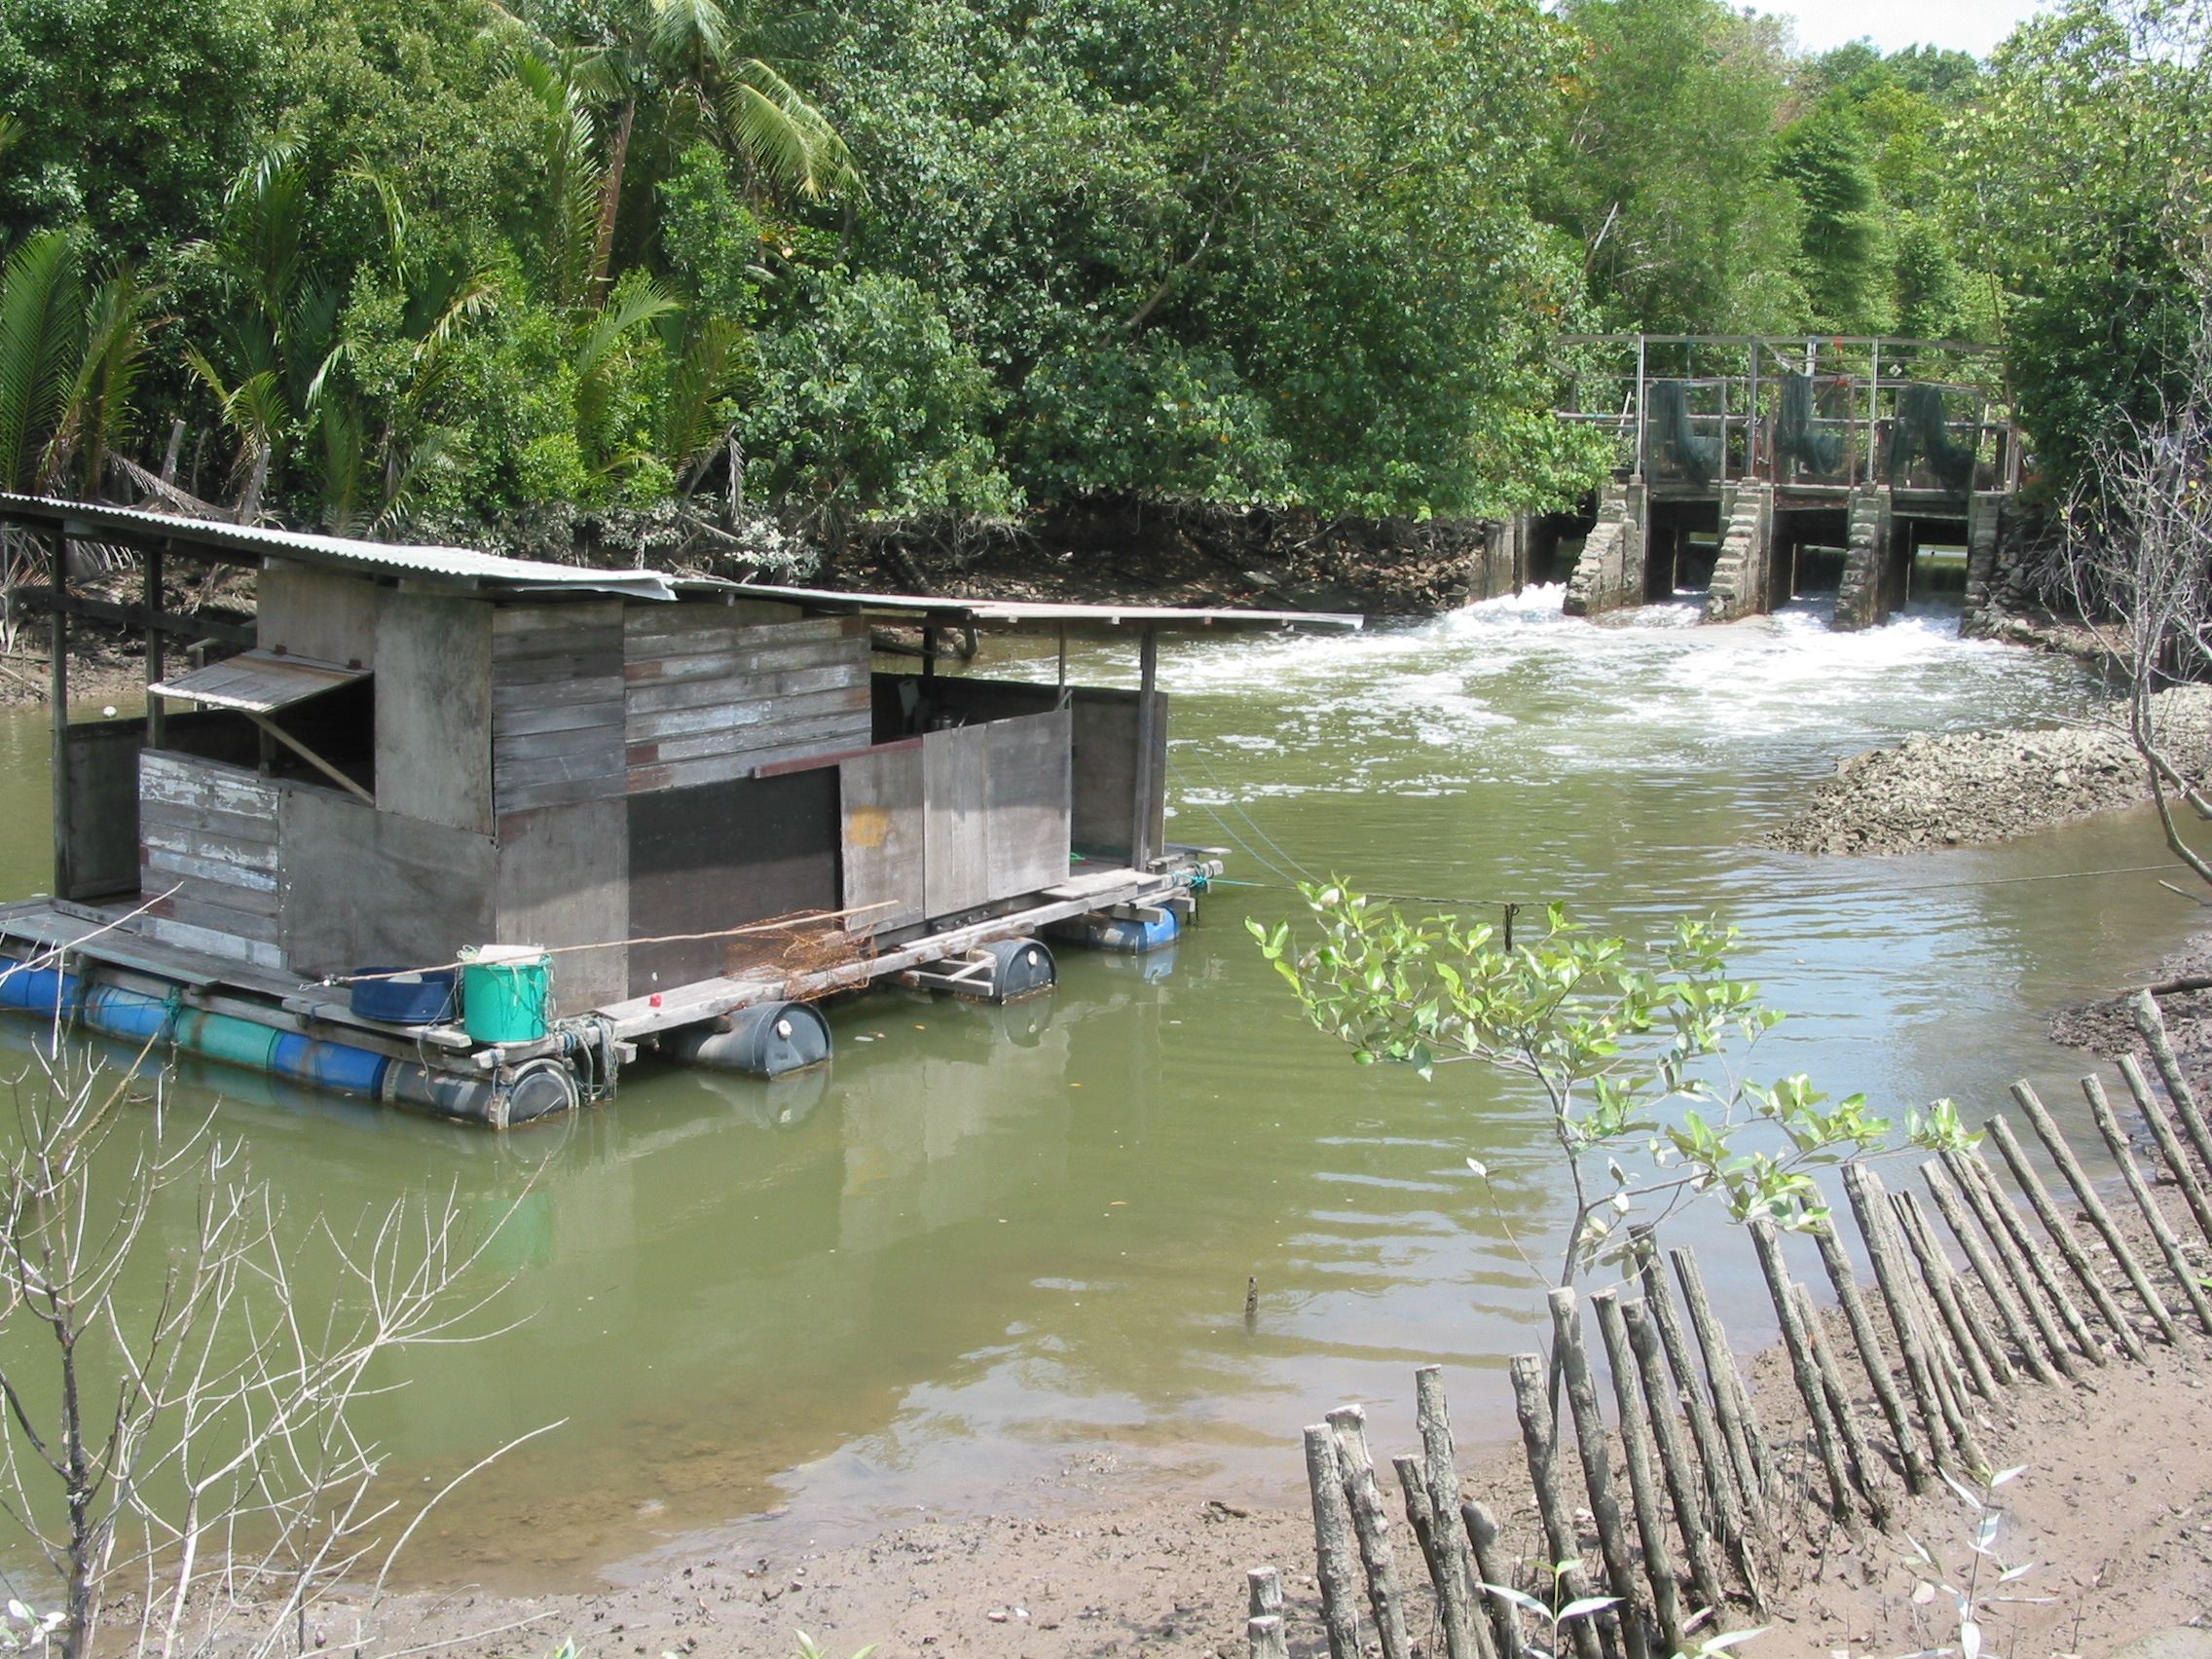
(2115, 1506)
(1989, 786)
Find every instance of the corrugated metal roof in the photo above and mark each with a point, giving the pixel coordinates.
(1020, 616)
(260, 681)
(458, 568)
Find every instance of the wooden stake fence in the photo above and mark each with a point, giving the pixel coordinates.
(1697, 1535)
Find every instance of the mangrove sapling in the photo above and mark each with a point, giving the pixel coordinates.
(1557, 1611)
(1634, 1048)
(807, 1648)
(1966, 1597)
(198, 1445)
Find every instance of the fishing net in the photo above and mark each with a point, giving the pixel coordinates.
(1668, 436)
(1798, 434)
(1920, 430)
(798, 944)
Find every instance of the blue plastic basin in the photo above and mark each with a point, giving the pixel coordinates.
(422, 997)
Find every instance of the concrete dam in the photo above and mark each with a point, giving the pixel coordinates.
(1758, 469)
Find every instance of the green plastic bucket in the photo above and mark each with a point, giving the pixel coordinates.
(506, 991)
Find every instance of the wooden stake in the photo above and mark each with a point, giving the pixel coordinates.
(1681, 1474)
(1723, 1483)
(1332, 1542)
(2151, 1023)
(1371, 1526)
(1263, 1592)
(1975, 1343)
(2169, 1246)
(1864, 1188)
(1872, 1358)
(1992, 1212)
(1675, 1462)
(1990, 1277)
(1434, 1416)
(2169, 1145)
(1264, 1639)
(1873, 1479)
(1463, 1635)
(1731, 1399)
(1494, 1567)
(2085, 1195)
(1806, 1372)
(2024, 1176)
(1642, 1483)
(1597, 1469)
(1537, 1439)
(2043, 1271)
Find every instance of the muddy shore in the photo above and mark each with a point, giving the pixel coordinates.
(2115, 1508)
(1989, 786)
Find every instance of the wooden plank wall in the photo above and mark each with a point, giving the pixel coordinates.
(955, 796)
(565, 880)
(433, 709)
(555, 705)
(1025, 836)
(881, 795)
(712, 692)
(211, 830)
(362, 887)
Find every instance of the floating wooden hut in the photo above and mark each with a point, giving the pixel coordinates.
(696, 799)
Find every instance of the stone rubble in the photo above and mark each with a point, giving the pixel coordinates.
(1989, 786)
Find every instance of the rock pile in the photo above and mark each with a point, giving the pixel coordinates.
(1987, 785)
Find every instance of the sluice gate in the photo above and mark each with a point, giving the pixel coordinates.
(1754, 471)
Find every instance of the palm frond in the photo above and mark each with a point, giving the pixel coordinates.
(788, 141)
(682, 27)
(10, 134)
(41, 323)
(100, 411)
(632, 305)
(709, 370)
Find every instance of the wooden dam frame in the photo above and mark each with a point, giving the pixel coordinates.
(414, 750)
(1868, 445)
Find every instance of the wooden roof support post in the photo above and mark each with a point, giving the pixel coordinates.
(1141, 849)
(57, 700)
(157, 642)
(1064, 684)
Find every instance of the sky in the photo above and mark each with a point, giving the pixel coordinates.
(1968, 26)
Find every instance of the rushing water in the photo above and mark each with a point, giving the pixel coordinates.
(994, 1251)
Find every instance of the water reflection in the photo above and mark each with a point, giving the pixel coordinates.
(989, 1242)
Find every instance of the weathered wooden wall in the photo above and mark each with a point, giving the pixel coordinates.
(1103, 742)
(211, 830)
(315, 613)
(361, 888)
(434, 710)
(555, 705)
(712, 692)
(565, 880)
(880, 792)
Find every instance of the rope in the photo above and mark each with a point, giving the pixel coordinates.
(775, 924)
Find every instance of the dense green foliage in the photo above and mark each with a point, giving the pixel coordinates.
(466, 261)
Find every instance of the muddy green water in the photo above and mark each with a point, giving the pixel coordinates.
(996, 1258)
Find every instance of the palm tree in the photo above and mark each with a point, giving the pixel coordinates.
(676, 66)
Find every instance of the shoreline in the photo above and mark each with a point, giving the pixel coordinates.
(1977, 787)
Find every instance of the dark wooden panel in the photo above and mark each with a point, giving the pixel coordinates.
(720, 855)
(362, 887)
(1104, 744)
(103, 808)
(881, 790)
(955, 799)
(1026, 834)
(564, 880)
